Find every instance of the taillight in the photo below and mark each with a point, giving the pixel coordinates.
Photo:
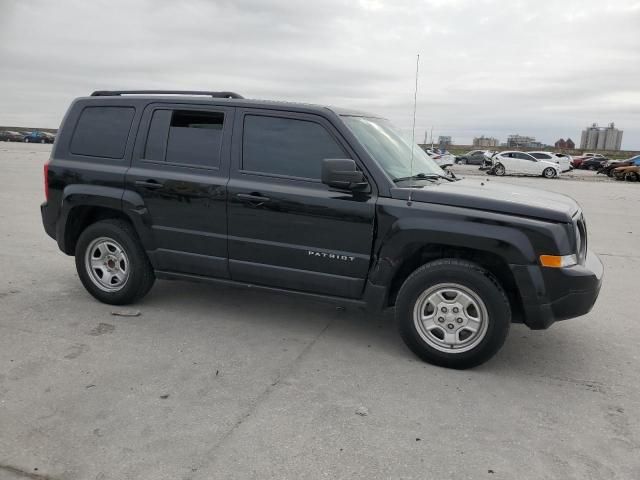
(46, 181)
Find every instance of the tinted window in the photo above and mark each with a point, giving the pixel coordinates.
(157, 138)
(523, 156)
(185, 137)
(102, 131)
(288, 147)
(541, 156)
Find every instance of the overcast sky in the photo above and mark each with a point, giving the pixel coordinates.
(543, 68)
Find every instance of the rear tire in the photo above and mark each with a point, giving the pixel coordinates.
(112, 264)
(548, 172)
(467, 297)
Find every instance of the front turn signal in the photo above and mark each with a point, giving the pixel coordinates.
(558, 261)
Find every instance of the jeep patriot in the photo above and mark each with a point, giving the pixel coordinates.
(311, 200)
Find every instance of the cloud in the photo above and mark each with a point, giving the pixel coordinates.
(542, 68)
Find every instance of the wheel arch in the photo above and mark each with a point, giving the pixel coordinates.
(492, 262)
(83, 205)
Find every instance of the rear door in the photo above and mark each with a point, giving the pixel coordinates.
(286, 228)
(180, 169)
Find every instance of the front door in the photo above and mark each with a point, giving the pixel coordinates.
(286, 228)
(180, 169)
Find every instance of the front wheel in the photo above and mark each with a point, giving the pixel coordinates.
(499, 170)
(453, 313)
(112, 264)
(549, 173)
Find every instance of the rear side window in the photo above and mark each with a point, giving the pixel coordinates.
(287, 147)
(102, 132)
(187, 137)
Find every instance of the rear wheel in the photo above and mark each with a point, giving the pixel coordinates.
(548, 172)
(112, 264)
(26, 140)
(453, 313)
(499, 170)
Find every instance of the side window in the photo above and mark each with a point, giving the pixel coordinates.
(284, 146)
(524, 156)
(188, 137)
(102, 132)
(539, 156)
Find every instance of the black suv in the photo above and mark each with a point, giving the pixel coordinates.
(312, 200)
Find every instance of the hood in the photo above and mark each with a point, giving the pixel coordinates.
(495, 197)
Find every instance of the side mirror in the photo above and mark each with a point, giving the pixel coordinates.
(342, 173)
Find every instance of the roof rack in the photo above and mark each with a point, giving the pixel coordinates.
(115, 93)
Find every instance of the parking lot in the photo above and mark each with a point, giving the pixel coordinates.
(218, 382)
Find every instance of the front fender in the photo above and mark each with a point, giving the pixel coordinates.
(406, 236)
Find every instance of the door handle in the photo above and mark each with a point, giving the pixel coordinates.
(148, 184)
(252, 198)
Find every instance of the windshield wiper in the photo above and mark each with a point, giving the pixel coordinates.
(437, 175)
(417, 176)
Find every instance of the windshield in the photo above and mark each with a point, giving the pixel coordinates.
(390, 149)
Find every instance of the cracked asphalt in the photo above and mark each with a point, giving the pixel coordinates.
(217, 382)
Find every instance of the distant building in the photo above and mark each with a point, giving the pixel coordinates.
(563, 144)
(601, 138)
(483, 141)
(521, 141)
(444, 141)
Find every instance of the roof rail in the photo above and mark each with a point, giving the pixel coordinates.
(115, 93)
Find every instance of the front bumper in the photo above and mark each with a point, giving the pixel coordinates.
(552, 294)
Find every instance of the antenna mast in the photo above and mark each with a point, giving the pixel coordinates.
(413, 132)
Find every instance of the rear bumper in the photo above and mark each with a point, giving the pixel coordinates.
(553, 294)
(47, 220)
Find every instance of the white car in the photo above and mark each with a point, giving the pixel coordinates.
(443, 160)
(563, 160)
(521, 163)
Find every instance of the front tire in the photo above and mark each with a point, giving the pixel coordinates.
(112, 264)
(548, 172)
(453, 313)
(499, 170)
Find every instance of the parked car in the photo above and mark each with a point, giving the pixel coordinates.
(320, 202)
(562, 161)
(565, 161)
(474, 157)
(522, 163)
(609, 167)
(578, 161)
(11, 136)
(443, 158)
(629, 173)
(38, 137)
(593, 163)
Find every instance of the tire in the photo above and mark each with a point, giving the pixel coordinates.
(26, 140)
(549, 172)
(471, 282)
(499, 170)
(131, 275)
(43, 141)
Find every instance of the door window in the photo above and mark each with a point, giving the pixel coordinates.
(185, 137)
(524, 156)
(286, 147)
